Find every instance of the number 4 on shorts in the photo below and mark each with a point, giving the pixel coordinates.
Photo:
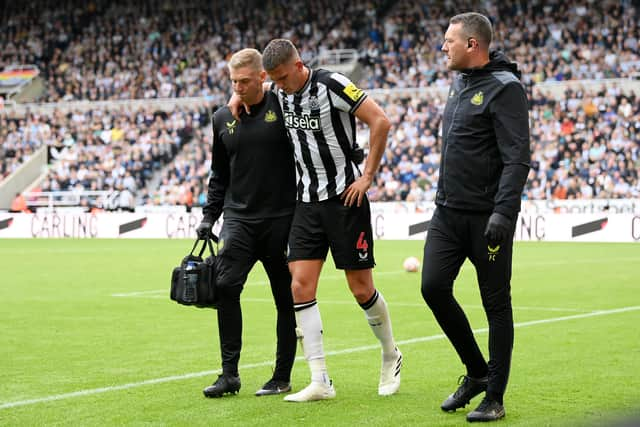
(362, 243)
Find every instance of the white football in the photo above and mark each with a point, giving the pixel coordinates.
(411, 264)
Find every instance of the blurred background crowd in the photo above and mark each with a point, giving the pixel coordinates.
(585, 140)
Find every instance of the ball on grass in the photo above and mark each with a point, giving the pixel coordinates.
(411, 264)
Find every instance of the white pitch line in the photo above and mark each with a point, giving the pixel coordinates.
(543, 263)
(252, 283)
(89, 392)
(391, 273)
(139, 293)
(150, 295)
(528, 308)
(422, 304)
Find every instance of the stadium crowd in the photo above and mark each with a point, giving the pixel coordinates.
(155, 49)
(100, 150)
(585, 144)
(551, 41)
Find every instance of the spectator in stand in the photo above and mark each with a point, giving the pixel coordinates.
(19, 204)
(101, 50)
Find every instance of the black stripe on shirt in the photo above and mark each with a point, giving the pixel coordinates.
(343, 140)
(300, 183)
(325, 153)
(299, 168)
(306, 153)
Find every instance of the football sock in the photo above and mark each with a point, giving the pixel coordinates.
(378, 318)
(309, 332)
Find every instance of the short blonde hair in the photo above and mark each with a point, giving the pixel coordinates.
(246, 58)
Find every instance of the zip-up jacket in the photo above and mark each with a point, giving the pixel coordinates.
(252, 168)
(485, 140)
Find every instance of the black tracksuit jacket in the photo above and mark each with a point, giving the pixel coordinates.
(252, 169)
(485, 140)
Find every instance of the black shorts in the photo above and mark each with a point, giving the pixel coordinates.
(318, 226)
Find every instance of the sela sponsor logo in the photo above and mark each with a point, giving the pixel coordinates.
(302, 122)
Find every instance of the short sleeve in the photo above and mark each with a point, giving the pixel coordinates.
(345, 95)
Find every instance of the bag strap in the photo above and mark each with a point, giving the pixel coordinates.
(210, 246)
(194, 246)
(206, 242)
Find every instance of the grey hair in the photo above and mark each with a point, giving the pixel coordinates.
(278, 52)
(246, 58)
(475, 25)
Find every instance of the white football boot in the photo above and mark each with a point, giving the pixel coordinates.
(390, 375)
(314, 391)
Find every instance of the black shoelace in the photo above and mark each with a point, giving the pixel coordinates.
(462, 382)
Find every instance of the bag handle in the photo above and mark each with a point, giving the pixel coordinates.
(207, 242)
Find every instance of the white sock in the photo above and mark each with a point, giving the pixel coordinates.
(309, 331)
(377, 315)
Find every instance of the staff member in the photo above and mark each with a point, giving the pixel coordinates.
(483, 169)
(253, 182)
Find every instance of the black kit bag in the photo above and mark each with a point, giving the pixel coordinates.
(193, 282)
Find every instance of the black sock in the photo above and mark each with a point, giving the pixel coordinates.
(477, 372)
(494, 396)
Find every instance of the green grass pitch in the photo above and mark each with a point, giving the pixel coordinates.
(88, 336)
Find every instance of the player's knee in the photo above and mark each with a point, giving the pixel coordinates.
(362, 295)
(361, 285)
(301, 291)
(296, 285)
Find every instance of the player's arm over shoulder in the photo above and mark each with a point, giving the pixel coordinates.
(222, 118)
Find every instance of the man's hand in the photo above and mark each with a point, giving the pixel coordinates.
(204, 230)
(235, 105)
(498, 228)
(356, 191)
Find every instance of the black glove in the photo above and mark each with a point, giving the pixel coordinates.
(498, 228)
(204, 230)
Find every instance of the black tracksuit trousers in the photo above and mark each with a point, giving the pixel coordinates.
(453, 236)
(244, 242)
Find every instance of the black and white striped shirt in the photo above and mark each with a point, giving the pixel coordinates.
(321, 123)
